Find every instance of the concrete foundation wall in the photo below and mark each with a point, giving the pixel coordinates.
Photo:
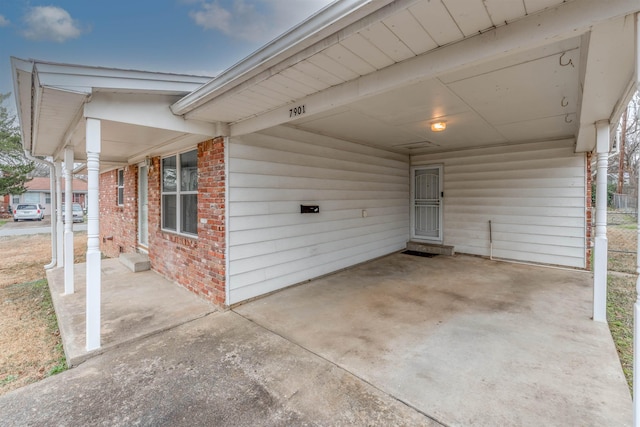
(363, 199)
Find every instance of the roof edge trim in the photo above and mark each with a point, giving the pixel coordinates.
(339, 14)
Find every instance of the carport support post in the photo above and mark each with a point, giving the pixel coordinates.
(69, 287)
(58, 208)
(600, 255)
(93, 231)
(636, 306)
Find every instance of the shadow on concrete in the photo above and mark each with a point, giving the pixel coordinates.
(134, 305)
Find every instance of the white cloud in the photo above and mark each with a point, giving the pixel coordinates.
(50, 23)
(254, 20)
(3, 21)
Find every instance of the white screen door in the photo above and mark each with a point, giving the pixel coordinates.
(143, 208)
(427, 203)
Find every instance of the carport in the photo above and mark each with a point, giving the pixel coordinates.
(328, 149)
(464, 340)
(457, 340)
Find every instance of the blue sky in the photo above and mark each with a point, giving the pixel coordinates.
(201, 37)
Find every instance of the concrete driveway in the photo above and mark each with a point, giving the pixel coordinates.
(402, 340)
(466, 340)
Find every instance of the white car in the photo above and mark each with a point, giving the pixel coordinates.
(78, 213)
(31, 211)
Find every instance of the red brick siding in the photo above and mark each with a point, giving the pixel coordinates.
(197, 264)
(119, 224)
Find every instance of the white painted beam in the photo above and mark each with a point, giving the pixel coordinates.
(600, 250)
(566, 21)
(94, 262)
(148, 110)
(69, 286)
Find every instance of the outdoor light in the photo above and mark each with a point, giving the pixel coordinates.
(438, 126)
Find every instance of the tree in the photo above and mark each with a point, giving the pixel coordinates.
(624, 164)
(14, 166)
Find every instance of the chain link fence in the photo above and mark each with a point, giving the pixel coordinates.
(622, 233)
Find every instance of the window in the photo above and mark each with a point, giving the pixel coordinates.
(180, 193)
(16, 200)
(47, 198)
(120, 187)
(31, 197)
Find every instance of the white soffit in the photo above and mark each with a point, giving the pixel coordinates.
(530, 96)
(419, 27)
(610, 65)
(520, 82)
(131, 104)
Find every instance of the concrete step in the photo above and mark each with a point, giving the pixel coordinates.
(430, 248)
(136, 262)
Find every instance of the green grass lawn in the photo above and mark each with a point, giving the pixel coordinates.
(621, 295)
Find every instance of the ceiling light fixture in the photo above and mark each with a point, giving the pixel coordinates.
(438, 126)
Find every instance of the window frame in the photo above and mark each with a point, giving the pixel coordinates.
(120, 187)
(178, 193)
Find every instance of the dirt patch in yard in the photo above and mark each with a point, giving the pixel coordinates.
(30, 345)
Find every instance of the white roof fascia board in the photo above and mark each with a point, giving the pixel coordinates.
(55, 74)
(552, 25)
(35, 111)
(22, 97)
(259, 74)
(149, 110)
(330, 21)
(237, 75)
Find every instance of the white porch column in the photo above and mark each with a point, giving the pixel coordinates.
(93, 231)
(636, 306)
(58, 208)
(54, 215)
(600, 253)
(69, 287)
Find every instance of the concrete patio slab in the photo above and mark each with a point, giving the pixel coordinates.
(134, 305)
(466, 340)
(220, 370)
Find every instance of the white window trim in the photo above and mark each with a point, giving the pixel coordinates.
(177, 193)
(119, 185)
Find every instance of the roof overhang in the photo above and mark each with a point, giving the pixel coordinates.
(134, 108)
(497, 73)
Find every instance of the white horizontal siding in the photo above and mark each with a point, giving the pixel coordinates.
(533, 194)
(272, 245)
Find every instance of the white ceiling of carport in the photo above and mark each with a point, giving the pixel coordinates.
(481, 106)
(531, 95)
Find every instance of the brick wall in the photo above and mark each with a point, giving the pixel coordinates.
(197, 264)
(119, 224)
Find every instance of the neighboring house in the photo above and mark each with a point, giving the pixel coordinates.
(317, 152)
(5, 202)
(39, 191)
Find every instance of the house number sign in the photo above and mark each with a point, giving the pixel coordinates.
(297, 111)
